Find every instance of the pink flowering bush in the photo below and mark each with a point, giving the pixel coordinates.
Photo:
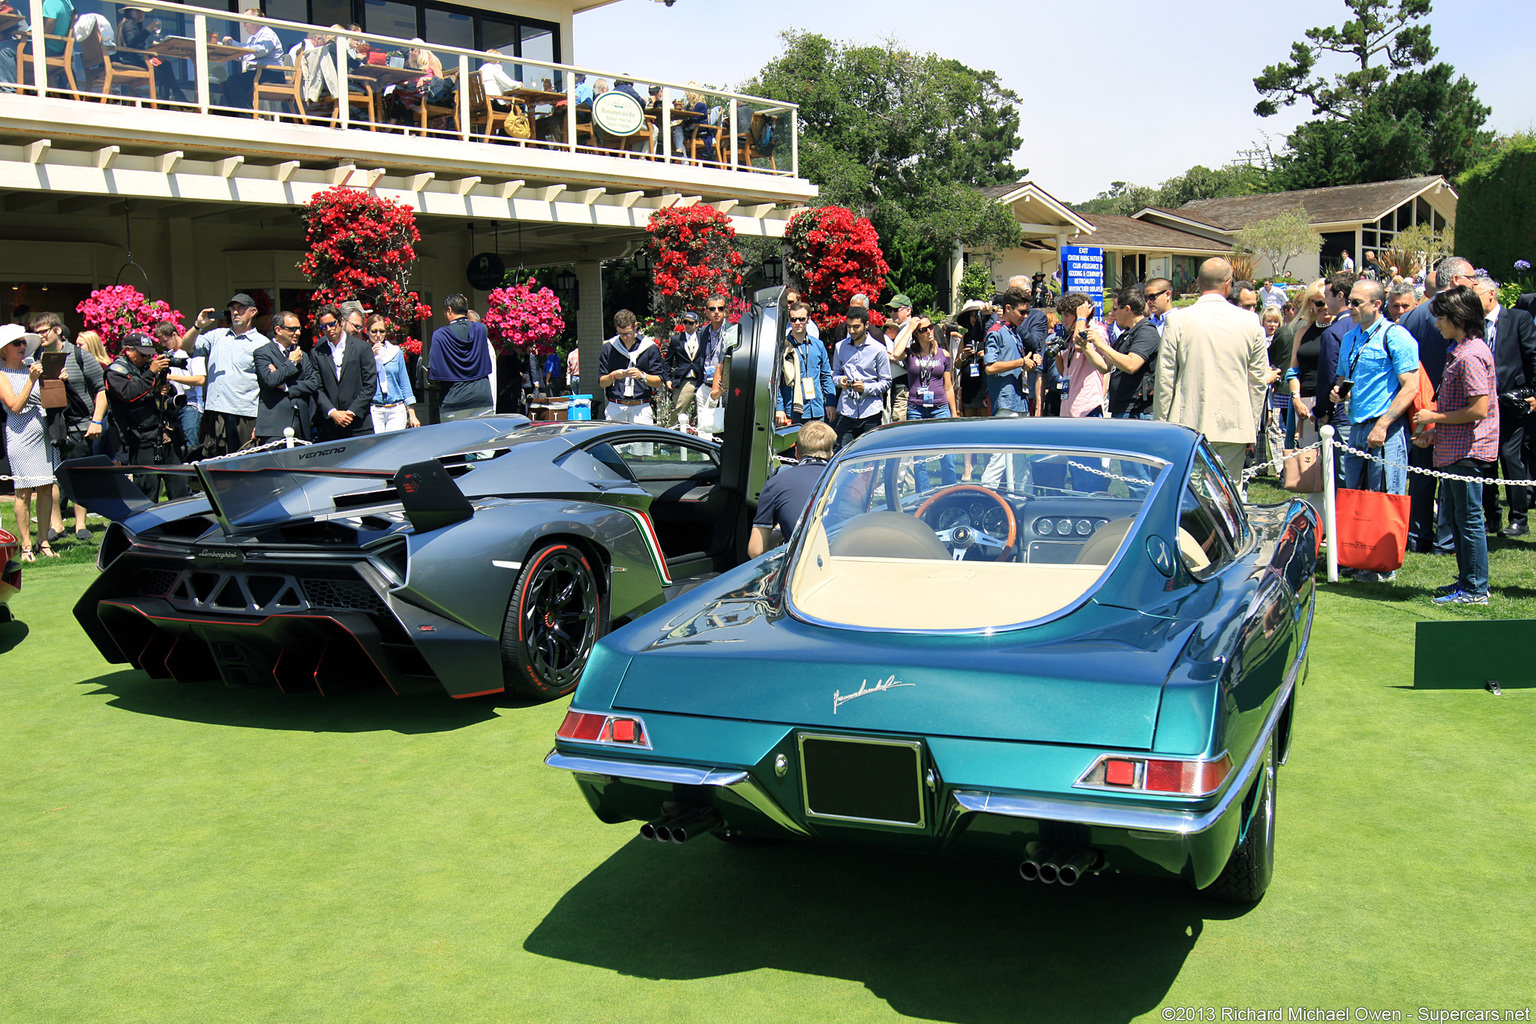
(116, 311)
(525, 317)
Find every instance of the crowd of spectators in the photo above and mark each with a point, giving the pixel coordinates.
(1254, 367)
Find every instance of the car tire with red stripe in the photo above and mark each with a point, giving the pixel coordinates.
(552, 623)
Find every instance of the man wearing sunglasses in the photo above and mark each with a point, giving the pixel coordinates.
(1158, 295)
(804, 387)
(1378, 375)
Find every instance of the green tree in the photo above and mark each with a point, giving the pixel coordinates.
(904, 139)
(1392, 114)
(1281, 238)
(1123, 199)
(1496, 217)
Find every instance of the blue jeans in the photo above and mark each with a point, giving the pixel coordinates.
(191, 425)
(948, 465)
(1362, 474)
(1464, 501)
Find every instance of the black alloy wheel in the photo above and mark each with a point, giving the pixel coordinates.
(552, 623)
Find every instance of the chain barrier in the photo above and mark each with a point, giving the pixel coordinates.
(1436, 473)
(1250, 473)
(1141, 481)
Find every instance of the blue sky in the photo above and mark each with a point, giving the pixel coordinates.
(1161, 86)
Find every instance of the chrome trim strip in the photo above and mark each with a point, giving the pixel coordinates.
(737, 781)
(1171, 821)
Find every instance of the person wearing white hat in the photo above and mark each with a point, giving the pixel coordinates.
(32, 458)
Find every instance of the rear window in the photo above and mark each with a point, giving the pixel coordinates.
(965, 539)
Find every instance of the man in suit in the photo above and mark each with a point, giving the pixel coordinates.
(683, 365)
(287, 381)
(344, 363)
(1512, 336)
(1211, 367)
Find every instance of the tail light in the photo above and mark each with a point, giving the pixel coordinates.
(1174, 775)
(613, 730)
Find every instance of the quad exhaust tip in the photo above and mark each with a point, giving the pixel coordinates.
(681, 825)
(1052, 864)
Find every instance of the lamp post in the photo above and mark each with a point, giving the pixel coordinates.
(773, 270)
(568, 289)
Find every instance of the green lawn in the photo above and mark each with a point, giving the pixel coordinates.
(191, 853)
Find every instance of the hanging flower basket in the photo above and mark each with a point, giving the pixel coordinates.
(525, 317)
(121, 309)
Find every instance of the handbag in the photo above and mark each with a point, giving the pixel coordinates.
(1372, 529)
(517, 125)
(1302, 472)
(55, 394)
(711, 416)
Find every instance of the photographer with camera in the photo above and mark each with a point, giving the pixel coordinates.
(1132, 357)
(1076, 351)
(143, 406)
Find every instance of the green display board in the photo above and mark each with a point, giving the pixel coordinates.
(1466, 655)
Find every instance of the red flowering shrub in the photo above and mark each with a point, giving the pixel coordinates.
(525, 317)
(835, 256)
(694, 256)
(115, 311)
(361, 247)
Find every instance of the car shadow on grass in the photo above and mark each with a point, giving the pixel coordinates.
(12, 633)
(936, 938)
(215, 704)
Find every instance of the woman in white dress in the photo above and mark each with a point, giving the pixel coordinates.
(26, 442)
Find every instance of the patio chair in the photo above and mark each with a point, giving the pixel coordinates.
(64, 62)
(483, 113)
(283, 92)
(359, 94)
(101, 74)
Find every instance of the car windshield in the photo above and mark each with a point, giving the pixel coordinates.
(965, 539)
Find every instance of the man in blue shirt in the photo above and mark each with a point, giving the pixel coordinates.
(1006, 357)
(1378, 376)
(861, 371)
(804, 386)
(787, 495)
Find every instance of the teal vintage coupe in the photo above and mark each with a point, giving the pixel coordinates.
(1067, 643)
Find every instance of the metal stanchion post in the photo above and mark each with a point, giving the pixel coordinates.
(287, 437)
(1330, 509)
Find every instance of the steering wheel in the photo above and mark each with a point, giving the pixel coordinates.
(960, 539)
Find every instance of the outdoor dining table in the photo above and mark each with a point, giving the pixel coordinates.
(10, 21)
(185, 48)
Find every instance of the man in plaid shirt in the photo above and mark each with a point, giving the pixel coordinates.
(1466, 437)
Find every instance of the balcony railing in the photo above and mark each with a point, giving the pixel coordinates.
(541, 104)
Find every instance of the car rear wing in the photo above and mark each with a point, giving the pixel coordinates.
(247, 497)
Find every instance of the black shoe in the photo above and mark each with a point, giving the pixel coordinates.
(1514, 530)
(54, 535)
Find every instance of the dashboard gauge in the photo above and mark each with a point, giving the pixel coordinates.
(1064, 528)
(980, 509)
(1045, 527)
(1084, 527)
(995, 522)
(953, 517)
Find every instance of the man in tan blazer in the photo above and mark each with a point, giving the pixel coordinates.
(1211, 368)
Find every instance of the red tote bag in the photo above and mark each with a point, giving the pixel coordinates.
(1373, 529)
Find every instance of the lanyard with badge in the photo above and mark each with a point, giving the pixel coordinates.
(925, 367)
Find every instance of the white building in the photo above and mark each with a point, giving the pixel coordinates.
(206, 199)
